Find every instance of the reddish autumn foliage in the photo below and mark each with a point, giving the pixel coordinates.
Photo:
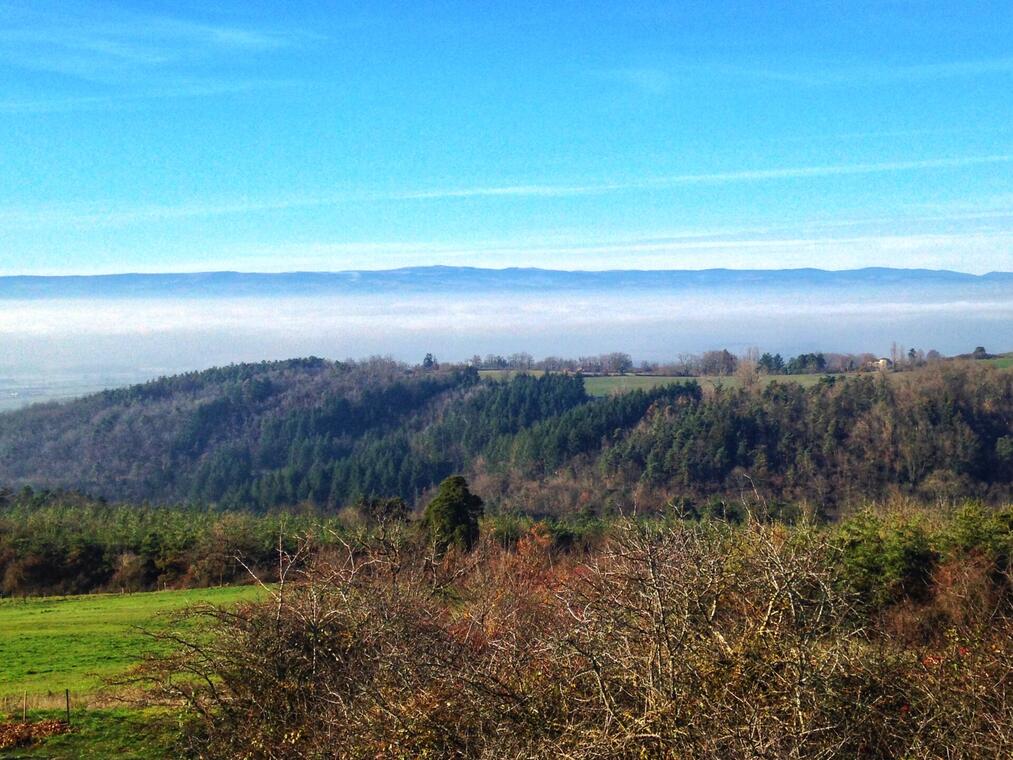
(14, 735)
(677, 640)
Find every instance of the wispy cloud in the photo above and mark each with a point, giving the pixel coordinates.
(90, 215)
(117, 54)
(659, 79)
(880, 74)
(707, 178)
(105, 43)
(179, 89)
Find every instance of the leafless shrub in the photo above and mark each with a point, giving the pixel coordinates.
(686, 640)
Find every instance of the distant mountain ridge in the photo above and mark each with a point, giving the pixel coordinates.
(465, 279)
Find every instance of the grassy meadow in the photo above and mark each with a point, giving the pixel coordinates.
(75, 642)
(124, 733)
(56, 643)
(606, 385)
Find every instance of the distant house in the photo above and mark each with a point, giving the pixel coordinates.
(878, 365)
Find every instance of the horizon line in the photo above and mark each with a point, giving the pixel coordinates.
(194, 272)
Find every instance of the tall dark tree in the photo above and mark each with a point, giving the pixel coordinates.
(452, 516)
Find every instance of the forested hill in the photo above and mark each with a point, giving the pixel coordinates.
(197, 435)
(281, 434)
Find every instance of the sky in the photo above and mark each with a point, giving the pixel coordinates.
(265, 136)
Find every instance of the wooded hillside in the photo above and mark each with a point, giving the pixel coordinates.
(311, 431)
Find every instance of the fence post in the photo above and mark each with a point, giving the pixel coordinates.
(66, 693)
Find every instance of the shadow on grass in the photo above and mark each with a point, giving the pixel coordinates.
(121, 733)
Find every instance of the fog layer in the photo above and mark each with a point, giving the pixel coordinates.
(93, 343)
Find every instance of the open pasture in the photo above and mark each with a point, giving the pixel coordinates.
(605, 385)
(56, 643)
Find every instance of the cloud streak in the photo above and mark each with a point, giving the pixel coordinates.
(110, 215)
(712, 178)
(109, 55)
(102, 45)
(180, 89)
(658, 80)
(882, 75)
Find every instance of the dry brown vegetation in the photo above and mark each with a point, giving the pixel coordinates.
(671, 639)
(14, 735)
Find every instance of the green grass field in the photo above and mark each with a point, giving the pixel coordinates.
(131, 734)
(56, 643)
(1002, 362)
(606, 386)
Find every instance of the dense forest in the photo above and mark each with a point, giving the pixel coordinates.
(312, 432)
(939, 433)
(196, 435)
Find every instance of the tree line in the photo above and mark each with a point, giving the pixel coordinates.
(715, 362)
(63, 542)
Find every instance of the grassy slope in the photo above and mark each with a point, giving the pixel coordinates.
(604, 386)
(48, 645)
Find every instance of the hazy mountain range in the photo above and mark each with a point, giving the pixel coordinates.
(468, 279)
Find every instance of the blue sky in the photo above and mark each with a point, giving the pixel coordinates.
(280, 136)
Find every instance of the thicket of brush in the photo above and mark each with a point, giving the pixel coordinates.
(888, 636)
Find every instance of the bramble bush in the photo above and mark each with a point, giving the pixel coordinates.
(670, 638)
